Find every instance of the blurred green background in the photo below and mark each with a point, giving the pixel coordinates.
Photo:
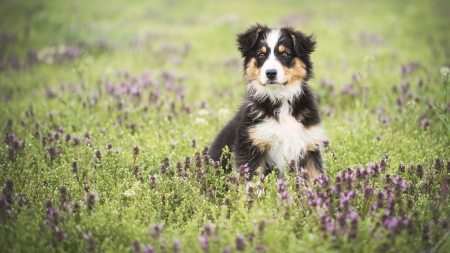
(59, 61)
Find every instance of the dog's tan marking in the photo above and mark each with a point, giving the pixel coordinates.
(263, 50)
(313, 147)
(251, 70)
(258, 31)
(260, 144)
(312, 170)
(281, 49)
(310, 166)
(293, 40)
(295, 74)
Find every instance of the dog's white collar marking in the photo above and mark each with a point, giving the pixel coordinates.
(274, 92)
(288, 139)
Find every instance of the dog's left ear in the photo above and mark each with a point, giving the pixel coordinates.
(247, 40)
(303, 44)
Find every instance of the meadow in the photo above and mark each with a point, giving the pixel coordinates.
(107, 109)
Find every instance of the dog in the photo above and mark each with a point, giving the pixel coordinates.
(278, 123)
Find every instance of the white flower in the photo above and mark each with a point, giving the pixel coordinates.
(129, 193)
(203, 112)
(369, 58)
(444, 70)
(223, 112)
(201, 121)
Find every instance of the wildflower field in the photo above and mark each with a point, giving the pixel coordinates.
(107, 109)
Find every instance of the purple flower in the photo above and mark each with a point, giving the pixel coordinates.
(344, 201)
(401, 168)
(399, 184)
(368, 191)
(204, 243)
(97, 155)
(205, 151)
(63, 194)
(75, 140)
(261, 226)
(439, 164)
(353, 227)
(240, 243)
(207, 230)
(156, 231)
(292, 167)
(391, 224)
(176, 245)
(90, 201)
(216, 165)
(49, 93)
(281, 186)
(444, 188)
(187, 163)
(243, 172)
(178, 166)
(400, 101)
(380, 200)
(136, 246)
(420, 170)
(193, 143)
(8, 190)
(356, 77)
(336, 189)
(425, 123)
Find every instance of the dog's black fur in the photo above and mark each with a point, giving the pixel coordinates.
(250, 141)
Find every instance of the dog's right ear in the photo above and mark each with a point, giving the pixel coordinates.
(248, 39)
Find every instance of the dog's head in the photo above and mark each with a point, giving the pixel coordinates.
(276, 61)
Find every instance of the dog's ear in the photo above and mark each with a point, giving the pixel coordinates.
(248, 39)
(303, 44)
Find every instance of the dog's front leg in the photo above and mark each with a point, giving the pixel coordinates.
(312, 162)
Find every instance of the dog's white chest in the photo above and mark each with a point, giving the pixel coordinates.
(285, 139)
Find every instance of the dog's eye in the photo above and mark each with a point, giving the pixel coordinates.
(285, 55)
(261, 55)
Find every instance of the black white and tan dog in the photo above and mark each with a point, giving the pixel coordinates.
(279, 119)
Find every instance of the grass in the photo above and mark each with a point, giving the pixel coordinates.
(101, 103)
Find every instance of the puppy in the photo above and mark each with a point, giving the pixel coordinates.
(279, 119)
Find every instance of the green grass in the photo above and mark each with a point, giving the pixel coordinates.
(187, 51)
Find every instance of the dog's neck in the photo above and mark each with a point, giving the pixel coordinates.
(274, 94)
(268, 104)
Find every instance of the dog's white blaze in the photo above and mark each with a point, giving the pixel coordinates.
(272, 62)
(288, 138)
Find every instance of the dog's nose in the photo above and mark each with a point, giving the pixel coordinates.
(271, 74)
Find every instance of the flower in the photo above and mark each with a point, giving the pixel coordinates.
(204, 243)
(444, 70)
(240, 243)
(156, 231)
(176, 245)
(201, 121)
(223, 112)
(203, 112)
